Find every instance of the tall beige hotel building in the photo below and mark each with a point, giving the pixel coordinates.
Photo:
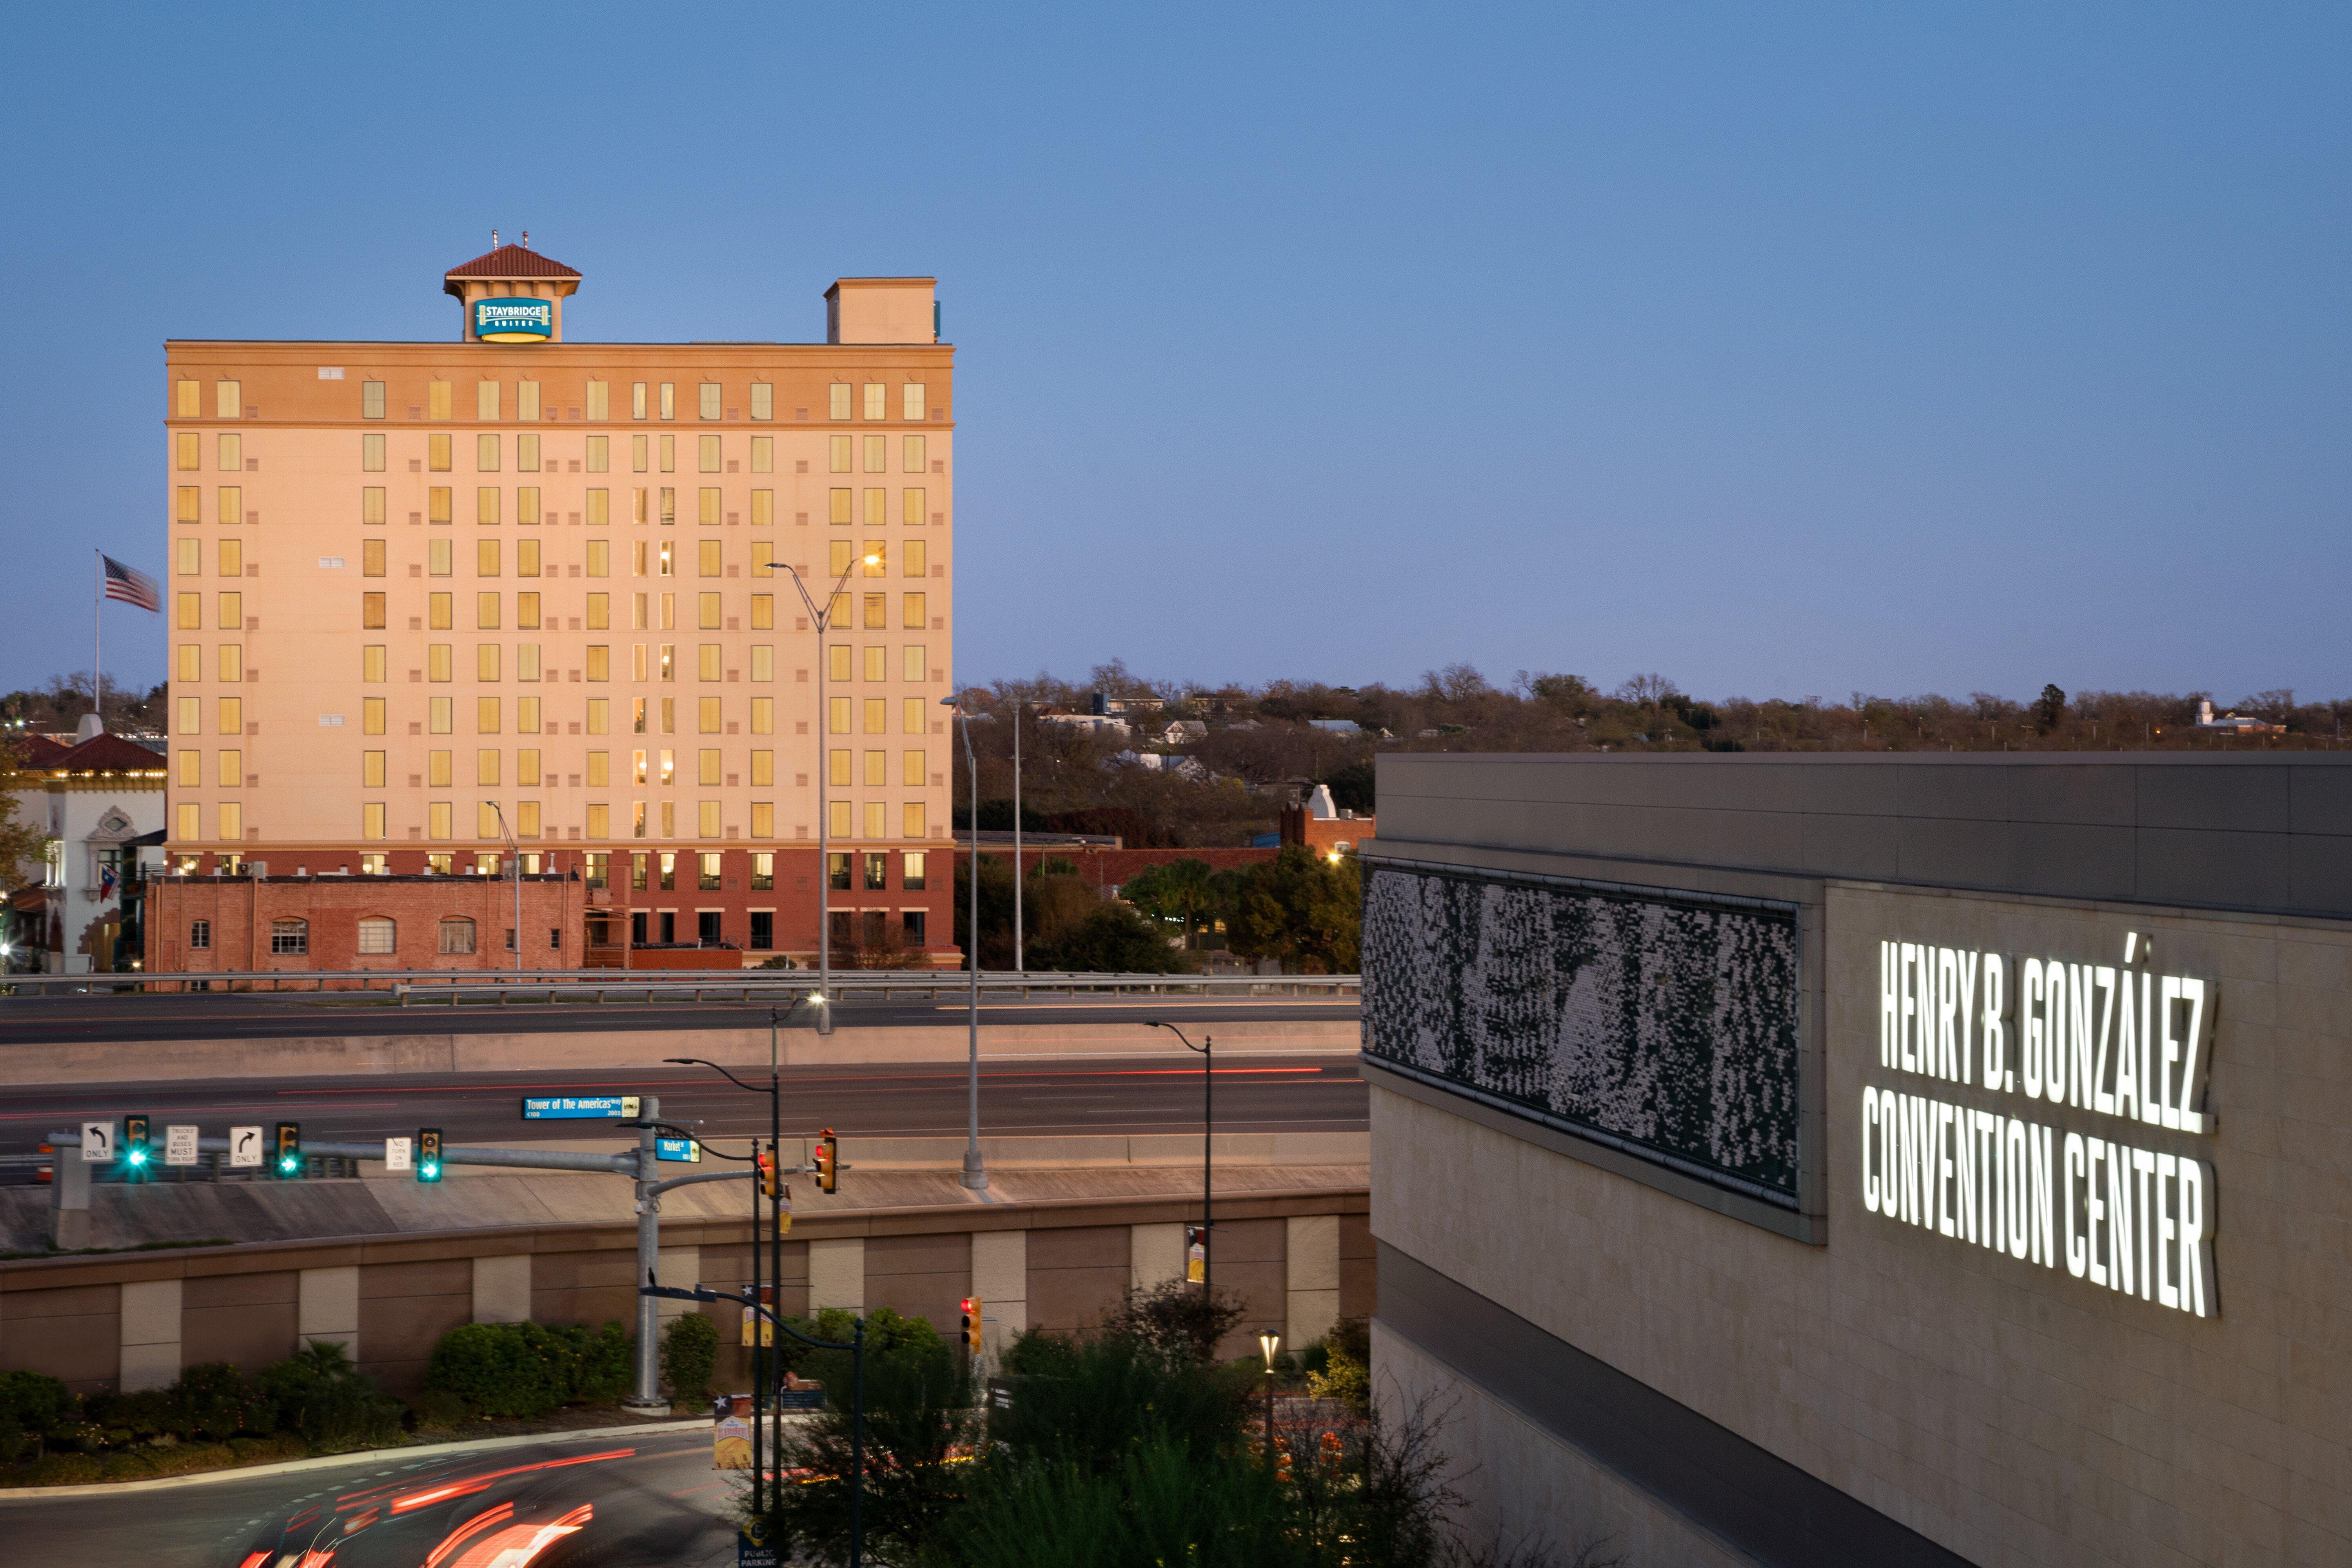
(428, 599)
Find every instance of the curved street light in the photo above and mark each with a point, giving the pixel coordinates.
(820, 622)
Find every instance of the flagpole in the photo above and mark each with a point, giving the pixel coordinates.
(97, 624)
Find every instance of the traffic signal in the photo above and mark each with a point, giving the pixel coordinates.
(828, 1162)
(768, 1181)
(289, 1149)
(428, 1154)
(972, 1324)
(136, 1153)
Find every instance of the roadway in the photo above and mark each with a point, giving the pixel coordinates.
(1017, 1098)
(30, 1020)
(619, 1500)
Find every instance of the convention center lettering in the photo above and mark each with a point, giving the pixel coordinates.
(2113, 1041)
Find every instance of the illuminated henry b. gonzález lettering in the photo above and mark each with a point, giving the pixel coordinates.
(2116, 1041)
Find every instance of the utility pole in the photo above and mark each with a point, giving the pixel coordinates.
(1019, 961)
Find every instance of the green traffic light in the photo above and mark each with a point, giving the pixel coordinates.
(138, 1157)
(432, 1172)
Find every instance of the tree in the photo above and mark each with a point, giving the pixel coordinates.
(1184, 891)
(1302, 910)
(23, 845)
(1352, 786)
(2051, 709)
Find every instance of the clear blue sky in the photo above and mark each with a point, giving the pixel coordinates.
(1780, 350)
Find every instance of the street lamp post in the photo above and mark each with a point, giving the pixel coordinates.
(1019, 960)
(820, 622)
(1269, 1344)
(1207, 1048)
(975, 1176)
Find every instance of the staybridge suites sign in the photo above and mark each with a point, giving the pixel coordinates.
(2118, 1042)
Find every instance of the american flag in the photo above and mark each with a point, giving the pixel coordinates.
(129, 585)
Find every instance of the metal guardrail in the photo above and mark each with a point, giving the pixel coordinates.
(459, 987)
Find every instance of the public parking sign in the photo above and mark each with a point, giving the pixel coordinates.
(579, 1107)
(686, 1150)
(179, 1144)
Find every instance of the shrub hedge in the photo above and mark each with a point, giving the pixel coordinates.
(529, 1369)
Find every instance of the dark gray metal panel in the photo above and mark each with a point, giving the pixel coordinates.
(2073, 861)
(2248, 871)
(2318, 873)
(1843, 787)
(1952, 852)
(1955, 794)
(2251, 798)
(1750, 1498)
(2101, 793)
(1868, 847)
(2319, 801)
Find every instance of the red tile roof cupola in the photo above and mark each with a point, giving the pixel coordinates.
(511, 271)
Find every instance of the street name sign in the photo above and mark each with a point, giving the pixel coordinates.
(579, 1107)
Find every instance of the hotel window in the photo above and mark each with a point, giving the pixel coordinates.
(913, 713)
(486, 766)
(600, 400)
(669, 507)
(877, 716)
(877, 454)
(640, 459)
(437, 662)
(763, 768)
(232, 820)
(290, 936)
(706, 657)
(527, 453)
(706, 506)
(706, 765)
(706, 819)
(437, 557)
(190, 449)
(877, 661)
(911, 872)
(232, 661)
(600, 661)
(836, 663)
(232, 505)
(764, 613)
(526, 765)
(836, 613)
(840, 399)
(911, 457)
(191, 615)
(839, 449)
(836, 715)
(912, 616)
(600, 825)
(229, 768)
(191, 400)
(877, 558)
(436, 400)
(439, 715)
(910, 400)
(371, 828)
(841, 555)
(377, 934)
(911, 663)
(371, 611)
(707, 562)
(600, 610)
(486, 663)
(600, 453)
(669, 453)
(232, 558)
(486, 452)
(706, 454)
(763, 400)
(706, 869)
(707, 400)
(527, 723)
(230, 451)
(838, 770)
(527, 827)
(911, 507)
(763, 509)
(486, 716)
(911, 822)
(436, 453)
(527, 559)
(372, 711)
(487, 506)
(228, 400)
(231, 716)
(877, 769)
(527, 506)
(371, 399)
(456, 934)
(917, 562)
(763, 863)
(763, 664)
(877, 508)
(371, 558)
(486, 558)
(600, 510)
(707, 605)
(373, 663)
(637, 400)
(913, 773)
(877, 400)
(372, 453)
(190, 504)
(192, 662)
(372, 506)
(877, 611)
(486, 400)
(600, 769)
(372, 769)
(192, 558)
(527, 400)
(191, 720)
(372, 865)
(877, 820)
(669, 773)
(438, 504)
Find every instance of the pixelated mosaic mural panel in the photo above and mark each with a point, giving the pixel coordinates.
(1669, 1024)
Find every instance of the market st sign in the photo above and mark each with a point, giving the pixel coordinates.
(2114, 1041)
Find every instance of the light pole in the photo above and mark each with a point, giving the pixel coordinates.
(1269, 1344)
(975, 1176)
(821, 620)
(1207, 1048)
(514, 852)
(1019, 962)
